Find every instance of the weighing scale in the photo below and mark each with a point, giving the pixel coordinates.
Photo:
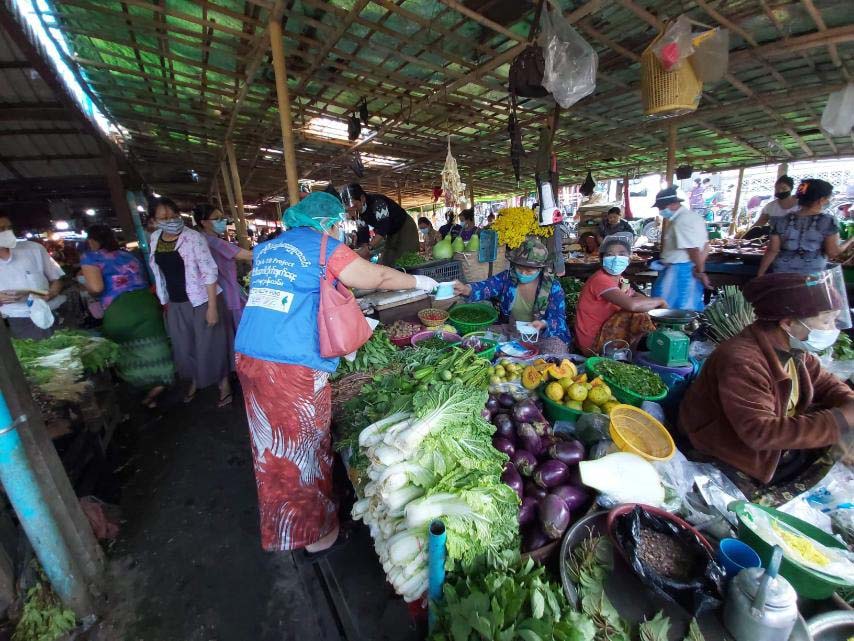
(668, 345)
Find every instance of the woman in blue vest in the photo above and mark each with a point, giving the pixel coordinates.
(284, 377)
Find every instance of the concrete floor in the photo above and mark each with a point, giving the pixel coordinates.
(188, 566)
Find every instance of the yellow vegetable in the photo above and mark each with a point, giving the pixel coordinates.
(800, 546)
(514, 224)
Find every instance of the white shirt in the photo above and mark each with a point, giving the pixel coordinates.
(28, 268)
(686, 230)
(775, 209)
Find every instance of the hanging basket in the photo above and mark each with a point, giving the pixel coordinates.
(667, 93)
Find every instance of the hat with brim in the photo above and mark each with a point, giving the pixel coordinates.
(665, 197)
(788, 295)
(531, 253)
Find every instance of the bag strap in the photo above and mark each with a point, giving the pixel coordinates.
(323, 256)
(535, 26)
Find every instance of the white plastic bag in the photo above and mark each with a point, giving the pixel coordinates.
(571, 63)
(675, 45)
(40, 313)
(711, 55)
(838, 116)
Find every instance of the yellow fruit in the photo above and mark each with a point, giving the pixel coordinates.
(495, 380)
(566, 382)
(598, 395)
(609, 406)
(531, 378)
(554, 391)
(587, 406)
(607, 390)
(566, 368)
(575, 405)
(581, 379)
(577, 392)
(500, 371)
(597, 381)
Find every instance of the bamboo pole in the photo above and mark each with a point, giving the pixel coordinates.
(277, 49)
(240, 220)
(671, 153)
(217, 194)
(229, 192)
(399, 194)
(471, 188)
(733, 224)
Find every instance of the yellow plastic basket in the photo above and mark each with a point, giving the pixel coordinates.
(635, 431)
(667, 93)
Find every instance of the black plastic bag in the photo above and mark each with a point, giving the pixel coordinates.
(588, 185)
(703, 592)
(354, 128)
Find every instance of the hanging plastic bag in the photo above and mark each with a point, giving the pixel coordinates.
(711, 55)
(570, 63)
(40, 312)
(675, 45)
(838, 116)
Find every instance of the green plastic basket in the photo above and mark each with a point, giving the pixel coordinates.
(807, 582)
(488, 353)
(622, 394)
(555, 411)
(464, 327)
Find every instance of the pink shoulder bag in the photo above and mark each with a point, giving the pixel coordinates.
(341, 326)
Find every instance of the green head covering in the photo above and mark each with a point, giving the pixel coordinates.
(318, 210)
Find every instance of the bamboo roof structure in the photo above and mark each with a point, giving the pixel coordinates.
(181, 77)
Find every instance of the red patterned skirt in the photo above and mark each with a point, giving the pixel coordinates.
(289, 409)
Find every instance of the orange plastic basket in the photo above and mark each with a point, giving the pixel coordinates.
(635, 431)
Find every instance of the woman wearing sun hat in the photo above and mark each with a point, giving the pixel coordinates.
(526, 292)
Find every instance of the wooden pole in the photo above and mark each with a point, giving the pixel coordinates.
(733, 223)
(119, 197)
(399, 194)
(671, 153)
(471, 188)
(217, 195)
(277, 49)
(240, 221)
(229, 192)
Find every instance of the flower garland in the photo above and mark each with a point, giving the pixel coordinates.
(514, 224)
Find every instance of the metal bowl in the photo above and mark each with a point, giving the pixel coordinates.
(673, 316)
(832, 626)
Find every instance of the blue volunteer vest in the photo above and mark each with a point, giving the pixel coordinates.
(279, 323)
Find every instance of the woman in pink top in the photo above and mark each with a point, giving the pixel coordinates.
(609, 309)
(212, 223)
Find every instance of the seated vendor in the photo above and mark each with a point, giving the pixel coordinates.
(525, 292)
(608, 308)
(762, 400)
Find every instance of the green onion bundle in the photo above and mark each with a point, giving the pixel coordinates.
(728, 315)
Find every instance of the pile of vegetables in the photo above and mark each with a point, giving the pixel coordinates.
(58, 364)
(728, 314)
(540, 469)
(43, 617)
(640, 380)
(514, 601)
(572, 293)
(843, 348)
(472, 314)
(403, 329)
(409, 260)
(378, 353)
(515, 224)
(433, 459)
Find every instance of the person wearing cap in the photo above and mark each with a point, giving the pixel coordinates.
(762, 399)
(803, 240)
(608, 308)
(390, 222)
(683, 254)
(525, 292)
(285, 379)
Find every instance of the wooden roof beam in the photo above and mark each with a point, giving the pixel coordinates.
(817, 18)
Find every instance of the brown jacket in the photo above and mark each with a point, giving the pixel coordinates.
(736, 409)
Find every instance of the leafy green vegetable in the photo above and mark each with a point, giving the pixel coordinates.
(843, 348)
(43, 617)
(694, 633)
(514, 601)
(655, 629)
(640, 380)
(409, 260)
(378, 353)
(572, 293)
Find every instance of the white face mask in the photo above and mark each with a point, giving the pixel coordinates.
(7, 239)
(816, 341)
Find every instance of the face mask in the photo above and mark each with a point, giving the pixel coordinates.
(526, 278)
(219, 225)
(816, 341)
(615, 265)
(782, 195)
(667, 213)
(7, 239)
(174, 226)
(422, 232)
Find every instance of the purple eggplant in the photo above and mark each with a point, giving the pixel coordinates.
(485, 414)
(551, 473)
(569, 452)
(524, 461)
(525, 411)
(532, 489)
(547, 441)
(528, 510)
(503, 445)
(492, 404)
(504, 426)
(554, 516)
(574, 497)
(529, 439)
(533, 537)
(510, 477)
(506, 400)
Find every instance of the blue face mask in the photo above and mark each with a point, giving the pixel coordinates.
(219, 225)
(615, 265)
(173, 226)
(526, 278)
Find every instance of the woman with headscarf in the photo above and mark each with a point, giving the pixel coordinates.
(525, 292)
(762, 399)
(285, 379)
(608, 308)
